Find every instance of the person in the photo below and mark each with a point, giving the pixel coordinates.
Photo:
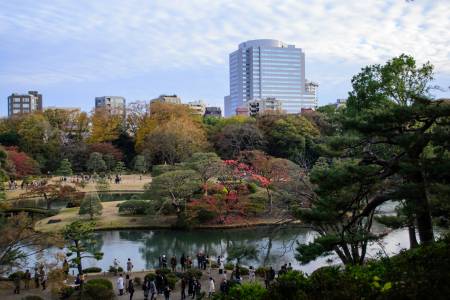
(267, 278)
(36, 278)
(164, 261)
(16, 283)
(189, 262)
(190, 286)
(224, 274)
(221, 265)
(272, 274)
(129, 266)
(27, 279)
(44, 280)
(153, 289)
(160, 262)
(120, 284)
(146, 287)
(66, 267)
(83, 280)
(167, 292)
(197, 288)
(183, 262)
(127, 279)
(212, 287)
(77, 282)
(199, 260)
(159, 282)
(289, 268)
(183, 288)
(224, 287)
(237, 273)
(116, 266)
(173, 263)
(251, 274)
(130, 288)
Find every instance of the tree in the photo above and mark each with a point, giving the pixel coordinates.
(174, 141)
(65, 168)
(140, 164)
(96, 164)
(176, 186)
(394, 123)
(343, 188)
(236, 137)
(79, 237)
(241, 251)
(19, 241)
(20, 164)
(106, 126)
(120, 167)
(51, 192)
(207, 166)
(137, 112)
(91, 205)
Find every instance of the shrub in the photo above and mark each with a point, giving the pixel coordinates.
(14, 275)
(92, 270)
(247, 291)
(150, 276)
(65, 292)
(243, 270)
(112, 269)
(289, 286)
(204, 215)
(261, 271)
(161, 169)
(229, 266)
(52, 221)
(98, 289)
(252, 187)
(134, 207)
(191, 273)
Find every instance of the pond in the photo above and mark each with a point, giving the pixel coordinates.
(276, 245)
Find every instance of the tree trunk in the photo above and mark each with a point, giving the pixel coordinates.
(412, 236)
(269, 196)
(423, 215)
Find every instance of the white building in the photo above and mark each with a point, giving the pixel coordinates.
(262, 69)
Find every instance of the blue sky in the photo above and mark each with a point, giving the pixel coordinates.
(74, 50)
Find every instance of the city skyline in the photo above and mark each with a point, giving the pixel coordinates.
(74, 51)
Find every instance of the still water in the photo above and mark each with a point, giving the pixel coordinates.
(276, 245)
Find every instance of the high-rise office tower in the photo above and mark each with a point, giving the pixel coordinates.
(24, 103)
(262, 69)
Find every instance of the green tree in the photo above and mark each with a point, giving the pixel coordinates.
(343, 188)
(91, 205)
(95, 163)
(65, 168)
(79, 237)
(394, 123)
(175, 186)
(140, 164)
(207, 166)
(239, 252)
(120, 167)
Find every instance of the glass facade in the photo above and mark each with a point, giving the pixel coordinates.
(262, 69)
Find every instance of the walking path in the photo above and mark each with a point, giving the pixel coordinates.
(6, 288)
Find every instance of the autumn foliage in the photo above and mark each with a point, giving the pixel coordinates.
(20, 164)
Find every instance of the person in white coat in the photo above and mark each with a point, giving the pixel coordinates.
(212, 287)
(120, 284)
(251, 274)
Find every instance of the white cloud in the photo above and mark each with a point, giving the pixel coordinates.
(83, 40)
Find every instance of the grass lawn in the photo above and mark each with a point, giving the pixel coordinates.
(110, 219)
(129, 183)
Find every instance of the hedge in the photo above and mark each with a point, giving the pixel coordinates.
(92, 270)
(134, 207)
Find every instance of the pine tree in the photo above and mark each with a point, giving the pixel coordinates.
(91, 205)
(65, 168)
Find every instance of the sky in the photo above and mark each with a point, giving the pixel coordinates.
(74, 50)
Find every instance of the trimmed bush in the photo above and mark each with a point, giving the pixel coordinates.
(134, 207)
(112, 269)
(92, 270)
(243, 270)
(137, 281)
(191, 273)
(150, 276)
(98, 289)
(161, 169)
(229, 266)
(248, 291)
(261, 271)
(204, 215)
(14, 275)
